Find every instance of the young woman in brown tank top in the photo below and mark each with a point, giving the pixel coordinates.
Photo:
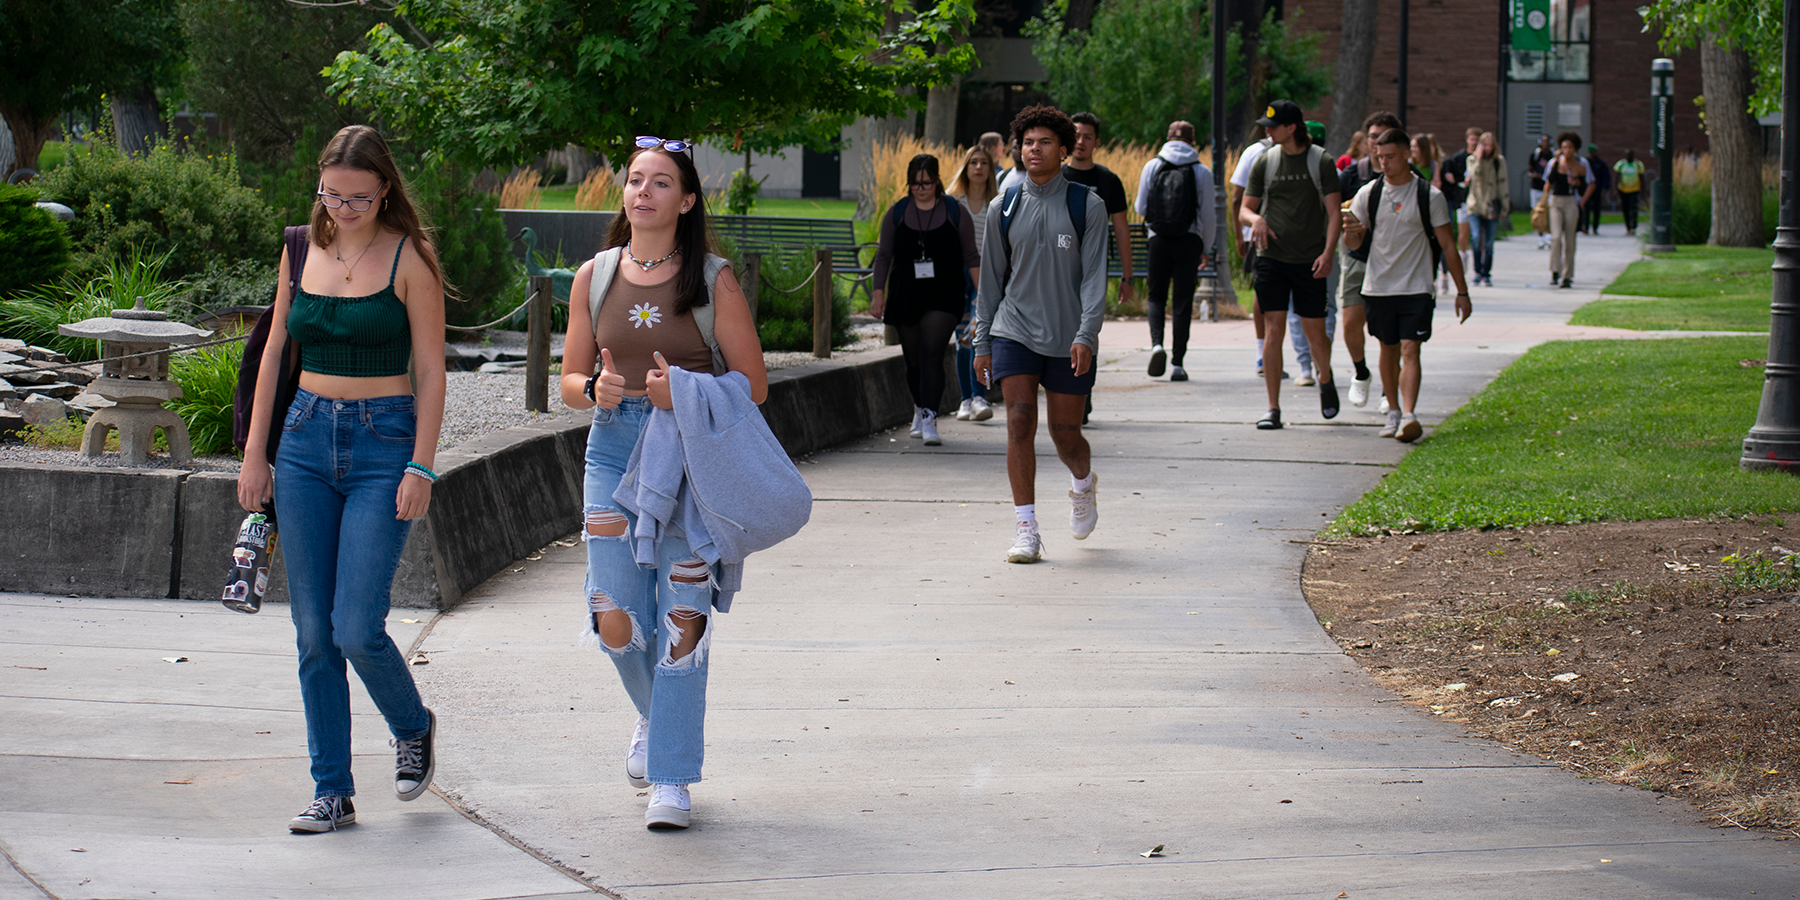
(655, 624)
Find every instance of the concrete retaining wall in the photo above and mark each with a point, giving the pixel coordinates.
(168, 533)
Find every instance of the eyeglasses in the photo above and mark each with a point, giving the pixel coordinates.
(356, 204)
(647, 141)
(924, 184)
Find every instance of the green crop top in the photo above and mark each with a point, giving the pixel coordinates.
(361, 337)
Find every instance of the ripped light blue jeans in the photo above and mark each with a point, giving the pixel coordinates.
(662, 604)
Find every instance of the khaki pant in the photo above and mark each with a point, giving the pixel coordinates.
(1565, 216)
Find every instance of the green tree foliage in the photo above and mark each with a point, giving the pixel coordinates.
(58, 55)
(1146, 63)
(506, 80)
(188, 207)
(258, 63)
(34, 246)
(1752, 25)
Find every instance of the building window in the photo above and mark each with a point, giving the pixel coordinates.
(1564, 56)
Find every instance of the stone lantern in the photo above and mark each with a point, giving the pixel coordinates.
(139, 385)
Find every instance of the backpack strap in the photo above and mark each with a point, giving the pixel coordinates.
(1437, 251)
(299, 240)
(1009, 204)
(1314, 154)
(606, 266)
(1077, 195)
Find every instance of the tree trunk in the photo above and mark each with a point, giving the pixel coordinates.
(7, 153)
(581, 163)
(1080, 16)
(137, 122)
(1731, 132)
(1356, 56)
(28, 138)
(1246, 16)
(940, 114)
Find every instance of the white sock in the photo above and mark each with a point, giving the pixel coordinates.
(1027, 515)
(1080, 485)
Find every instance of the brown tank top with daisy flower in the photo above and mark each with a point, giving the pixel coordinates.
(637, 320)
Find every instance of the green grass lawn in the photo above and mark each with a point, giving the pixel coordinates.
(1580, 431)
(1696, 288)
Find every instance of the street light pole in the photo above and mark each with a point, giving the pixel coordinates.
(1405, 27)
(1223, 288)
(1774, 441)
(1662, 143)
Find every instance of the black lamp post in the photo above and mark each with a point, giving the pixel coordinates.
(1774, 441)
(1662, 143)
(1221, 243)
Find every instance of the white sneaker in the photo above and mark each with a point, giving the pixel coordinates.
(1305, 379)
(966, 410)
(928, 429)
(1393, 424)
(1085, 514)
(637, 754)
(1410, 429)
(982, 410)
(1359, 392)
(1028, 547)
(1382, 407)
(669, 806)
(918, 417)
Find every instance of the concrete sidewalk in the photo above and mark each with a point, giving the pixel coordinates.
(894, 711)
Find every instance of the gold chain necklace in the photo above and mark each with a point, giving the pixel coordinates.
(648, 264)
(359, 257)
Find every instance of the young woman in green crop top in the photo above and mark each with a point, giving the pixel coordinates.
(354, 465)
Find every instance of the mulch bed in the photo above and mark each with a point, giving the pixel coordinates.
(1681, 684)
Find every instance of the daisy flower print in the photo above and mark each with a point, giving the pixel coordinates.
(644, 315)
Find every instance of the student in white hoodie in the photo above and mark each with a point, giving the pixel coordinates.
(1175, 197)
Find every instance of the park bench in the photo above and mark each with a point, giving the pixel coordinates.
(765, 234)
(1140, 255)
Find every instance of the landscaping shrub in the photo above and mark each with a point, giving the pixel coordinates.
(247, 282)
(471, 242)
(32, 316)
(1691, 203)
(784, 320)
(188, 208)
(208, 378)
(34, 245)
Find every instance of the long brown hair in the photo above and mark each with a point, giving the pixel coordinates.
(693, 236)
(961, 183)
(361, 147)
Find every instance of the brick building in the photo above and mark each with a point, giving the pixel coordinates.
(1462, 72)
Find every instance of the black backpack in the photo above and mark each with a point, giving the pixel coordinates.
(298, 239)
(1437, 252)
(1173, 201)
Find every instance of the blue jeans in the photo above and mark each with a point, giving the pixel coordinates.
(965, 350)
(337, 475)
(1481, 240)
(670, 692)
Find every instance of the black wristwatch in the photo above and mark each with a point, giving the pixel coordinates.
(589, 390)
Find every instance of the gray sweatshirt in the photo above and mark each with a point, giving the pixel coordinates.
(1054, 295)
(1180, 153)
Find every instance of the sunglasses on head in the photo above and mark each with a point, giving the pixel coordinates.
(647, 142)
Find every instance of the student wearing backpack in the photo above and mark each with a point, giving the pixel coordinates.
(1350, 276)
(1291, 206)
(1038, 315)
(1407, 226)
(1081, 169)
(927, 245)
(1174, 196)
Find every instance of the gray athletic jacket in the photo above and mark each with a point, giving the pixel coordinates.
(1055, 294)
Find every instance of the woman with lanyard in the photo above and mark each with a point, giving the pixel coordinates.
(977, 188)
(655, 623)
(354, 465)
(927, 244)
(1566, 178)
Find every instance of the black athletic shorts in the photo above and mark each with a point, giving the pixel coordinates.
(1053, 372)
(1401, 317)
(1277, 281)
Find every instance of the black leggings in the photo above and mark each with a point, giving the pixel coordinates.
(923, 344)
(1178, 259)
(1628, 201)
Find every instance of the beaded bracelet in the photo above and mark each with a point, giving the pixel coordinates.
(413, 468)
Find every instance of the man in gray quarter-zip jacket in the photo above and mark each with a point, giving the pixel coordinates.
(1037, 318)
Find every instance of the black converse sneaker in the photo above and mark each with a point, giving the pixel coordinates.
(414, 762)
(325, 814)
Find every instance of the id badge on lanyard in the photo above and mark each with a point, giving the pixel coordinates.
(924, 268)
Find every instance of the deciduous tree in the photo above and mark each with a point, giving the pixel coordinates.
(503, 80)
